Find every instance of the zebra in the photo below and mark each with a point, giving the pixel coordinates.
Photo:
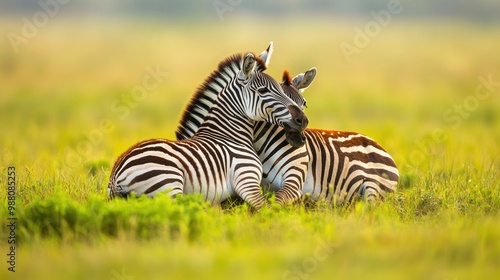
(336, 166)
(219, 160)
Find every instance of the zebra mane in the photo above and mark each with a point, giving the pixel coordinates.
(206, 95)
(287, 79)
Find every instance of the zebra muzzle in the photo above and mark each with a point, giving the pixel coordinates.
(299, 120)
(294, 129)
(294, 137)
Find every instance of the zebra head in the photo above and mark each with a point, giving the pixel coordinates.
(293, 89)
(266, 101)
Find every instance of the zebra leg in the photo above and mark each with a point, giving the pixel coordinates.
(251, 193)
(290, 191)
(370, 192)
(245, 179)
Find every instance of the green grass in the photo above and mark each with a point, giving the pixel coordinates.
(442, 223)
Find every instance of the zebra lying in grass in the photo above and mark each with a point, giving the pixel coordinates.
(218, 161)
(335, 166)
(342, 165)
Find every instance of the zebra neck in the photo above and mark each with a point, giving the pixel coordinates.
(227, 125)
(265, 133)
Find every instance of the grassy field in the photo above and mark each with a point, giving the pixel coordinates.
(68, 109)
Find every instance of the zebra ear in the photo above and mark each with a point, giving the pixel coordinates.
(304, 80)
(266, 55)
(247, 67)
(287, 79)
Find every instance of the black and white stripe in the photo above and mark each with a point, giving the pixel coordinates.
(346, 165)
(333, 165)
(341, 165)
(219, 160)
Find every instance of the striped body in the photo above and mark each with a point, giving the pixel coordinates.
(284, 168)
(337, 166)
(342, 166)
(197, 165)
(219, 160)
(334, 165)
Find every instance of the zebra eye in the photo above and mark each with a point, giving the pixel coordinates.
(263, 90)
(305, 104)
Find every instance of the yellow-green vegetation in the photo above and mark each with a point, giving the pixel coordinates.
(69, 106)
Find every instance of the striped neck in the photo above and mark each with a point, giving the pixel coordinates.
(207, 94)
(226, 120)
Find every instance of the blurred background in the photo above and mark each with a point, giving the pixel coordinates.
(72, 72)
